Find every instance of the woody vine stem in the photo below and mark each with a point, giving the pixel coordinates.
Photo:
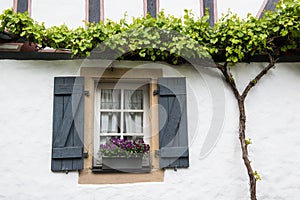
(240, 97)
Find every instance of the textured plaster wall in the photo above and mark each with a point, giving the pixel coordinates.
(5, 4)
(26, 89)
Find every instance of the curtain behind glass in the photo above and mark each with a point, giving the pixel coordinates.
(133, 121)
(109, 121)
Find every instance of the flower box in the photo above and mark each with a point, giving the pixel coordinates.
(119, 163)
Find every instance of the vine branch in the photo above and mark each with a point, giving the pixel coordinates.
(240, 97)
(254, 81)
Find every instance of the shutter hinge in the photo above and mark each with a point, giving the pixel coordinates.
(175, 168)
(85, 154)
(155, 92)
(86, 93)
(157, 153)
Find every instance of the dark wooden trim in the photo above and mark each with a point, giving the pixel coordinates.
(152, 7)
(293, 56)
(290, 56)
(35, 56)
(267, 5)
(94, 10)
(22, 6)
(211, 5)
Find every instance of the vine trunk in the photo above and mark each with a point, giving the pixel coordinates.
(240, 97)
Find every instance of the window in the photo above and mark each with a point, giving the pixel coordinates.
(123, 103)
(122, 112)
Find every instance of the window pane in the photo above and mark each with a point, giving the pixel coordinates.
(133, 99)
(110, 99)
(133, 122)
(110, 122)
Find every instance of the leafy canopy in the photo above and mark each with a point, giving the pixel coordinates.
(169, 38)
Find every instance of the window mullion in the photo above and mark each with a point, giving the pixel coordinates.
(122, 115)
(97, 136)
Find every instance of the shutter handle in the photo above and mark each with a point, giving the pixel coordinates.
(175, 168)
(67, 170)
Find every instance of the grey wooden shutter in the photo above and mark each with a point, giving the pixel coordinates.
(173, 135)
(67, 138)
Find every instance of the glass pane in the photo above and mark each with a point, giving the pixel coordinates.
(133, 99)
(110, 122)
(110, 99)
(133, 122)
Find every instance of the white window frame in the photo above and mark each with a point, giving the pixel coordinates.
(122, 85)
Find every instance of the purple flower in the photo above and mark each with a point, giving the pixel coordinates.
(120, 147)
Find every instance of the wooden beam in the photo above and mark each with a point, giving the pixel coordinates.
(22, 6)
(152, 7)
(95, 10)
(267, 5)
(211, 5)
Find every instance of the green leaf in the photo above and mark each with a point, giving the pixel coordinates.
(257, 176)
(248, 141)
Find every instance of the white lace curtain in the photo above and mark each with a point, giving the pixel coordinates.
(133, 120)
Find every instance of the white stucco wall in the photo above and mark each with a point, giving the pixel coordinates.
(176, 7)
(5, 4)
(241, 8)
(26, 89)
(115, 9)
(57, 12)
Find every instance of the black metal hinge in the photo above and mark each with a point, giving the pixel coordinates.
(155, 92)
(157, 153)
(85, 154)
(86, 93)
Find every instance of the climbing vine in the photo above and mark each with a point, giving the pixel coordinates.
(239, 39)
(235, 38)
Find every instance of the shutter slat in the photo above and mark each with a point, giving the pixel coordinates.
(78, 134)
(67, 152)
(67, 121)
(172, 87)
(68, 89)
(66, 128)
(57, 117)
(173, 137)
(171, 152)
(67, 142)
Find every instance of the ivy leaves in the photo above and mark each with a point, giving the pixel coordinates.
(169, 38)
